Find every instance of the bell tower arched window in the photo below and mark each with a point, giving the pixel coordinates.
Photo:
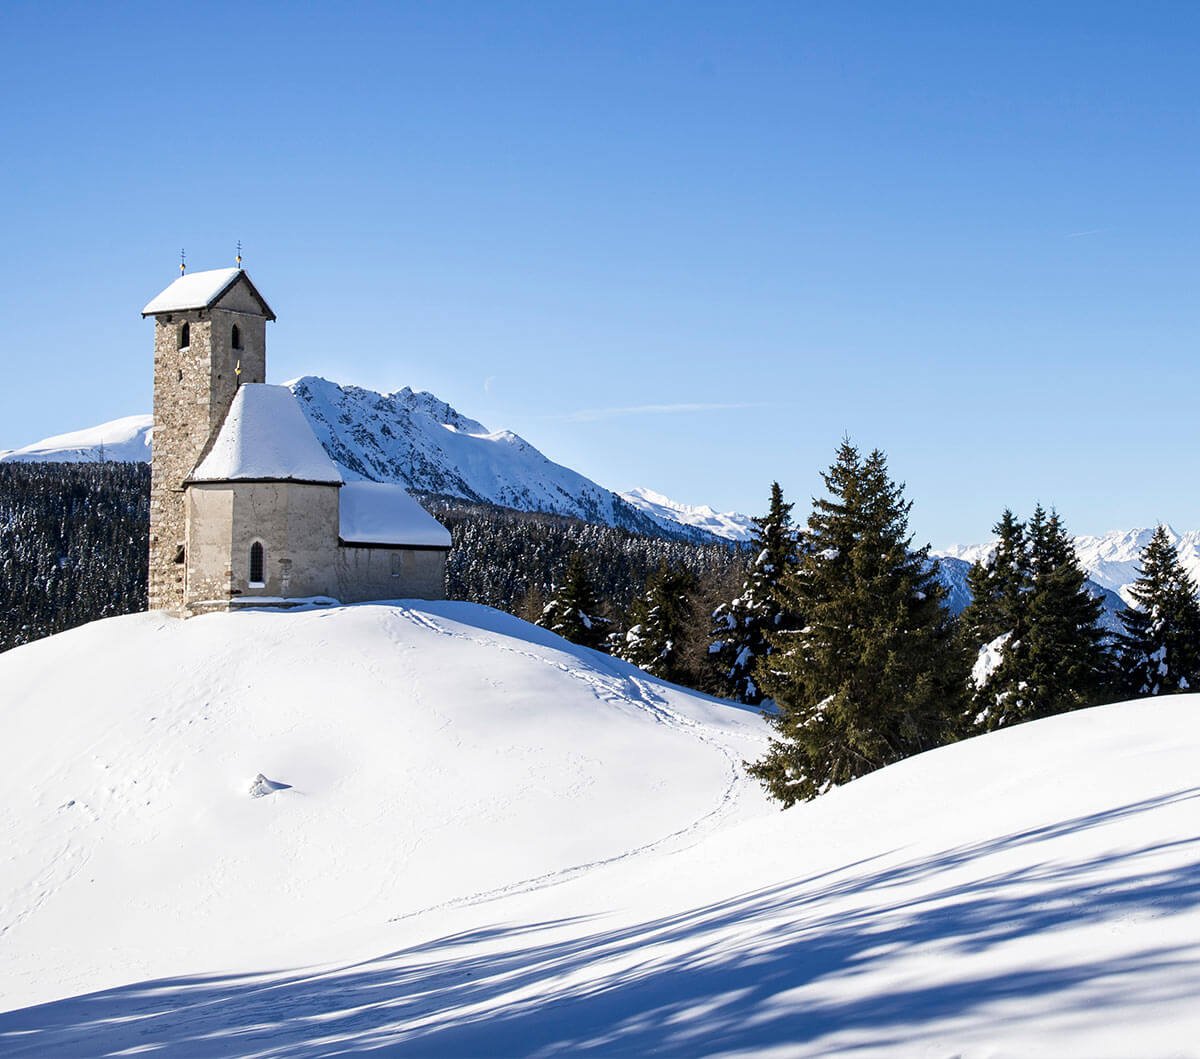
(236, 337)
(185, 336)
(257, 564)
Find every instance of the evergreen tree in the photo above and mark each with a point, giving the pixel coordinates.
(996, 615)
(1160, 651)
(74, 543)
(660, 623)
(1053, 655)
(572, 609)
(740, 627)
(998, 585)
(875, 674)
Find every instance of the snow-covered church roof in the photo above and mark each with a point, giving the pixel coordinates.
(266, 437)
(201, 290)
(383, 513)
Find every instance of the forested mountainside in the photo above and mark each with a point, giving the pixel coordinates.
(74, 539)
(73, 545)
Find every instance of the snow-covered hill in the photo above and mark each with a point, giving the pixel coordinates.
(494, 842)
(125, 440)
(669, 513)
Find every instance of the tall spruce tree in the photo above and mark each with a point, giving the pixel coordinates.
(740, 627)
(1053, 655)
(1160, 651)
(998, 585)
(572, 609)
(875, 674)
(660, 621)
(996, 615)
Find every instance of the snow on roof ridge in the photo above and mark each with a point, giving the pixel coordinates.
(266, 436)
(200, 290)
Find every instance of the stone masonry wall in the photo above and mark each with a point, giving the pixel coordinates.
(182, 418)
(193, 389)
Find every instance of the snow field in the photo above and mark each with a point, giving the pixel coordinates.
(500, 844)
(430, 757)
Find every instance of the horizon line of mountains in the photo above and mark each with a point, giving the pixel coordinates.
(416, 440)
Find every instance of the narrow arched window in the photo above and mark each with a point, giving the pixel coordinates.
(185, 336)
(256, 564)
(237, 337)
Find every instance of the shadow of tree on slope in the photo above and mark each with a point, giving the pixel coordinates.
(708, 979)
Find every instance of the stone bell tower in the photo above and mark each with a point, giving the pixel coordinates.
(210, 336)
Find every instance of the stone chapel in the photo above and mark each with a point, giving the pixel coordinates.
(245, 505)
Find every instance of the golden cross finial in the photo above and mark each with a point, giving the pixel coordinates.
(182, 262)
(239, 254)
(237, 375)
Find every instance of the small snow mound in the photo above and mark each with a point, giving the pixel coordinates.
(262, 786)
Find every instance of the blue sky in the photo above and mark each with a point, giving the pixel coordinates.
(964, 233)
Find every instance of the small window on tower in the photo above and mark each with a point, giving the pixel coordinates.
(237, 337)
(185, 337)
(256, 565)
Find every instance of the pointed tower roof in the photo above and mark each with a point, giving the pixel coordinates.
(265, 437)
(202, 290)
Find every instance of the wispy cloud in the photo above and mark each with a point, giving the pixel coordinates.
(589, 415)
(1090, 231)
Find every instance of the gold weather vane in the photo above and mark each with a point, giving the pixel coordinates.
(182, 262)
(239, 254)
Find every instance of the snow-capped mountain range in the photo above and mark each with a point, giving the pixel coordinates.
(421, 442)
(667, 513)
(1111, 560)
(416, 440)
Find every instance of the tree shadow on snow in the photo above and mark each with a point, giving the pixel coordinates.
(705, 980)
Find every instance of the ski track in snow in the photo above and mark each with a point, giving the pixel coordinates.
(644, 703)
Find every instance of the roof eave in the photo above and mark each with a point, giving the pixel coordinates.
(262, 480)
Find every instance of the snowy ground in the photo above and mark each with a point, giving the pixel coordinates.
(497, 843)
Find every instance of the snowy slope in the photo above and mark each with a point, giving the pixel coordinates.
(124, 440)
(495, 843)
(433, 754)
(669, 513)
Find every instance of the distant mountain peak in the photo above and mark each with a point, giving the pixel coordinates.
(419, 441)
(124, 440)
(729, 524)
(1112, 560)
